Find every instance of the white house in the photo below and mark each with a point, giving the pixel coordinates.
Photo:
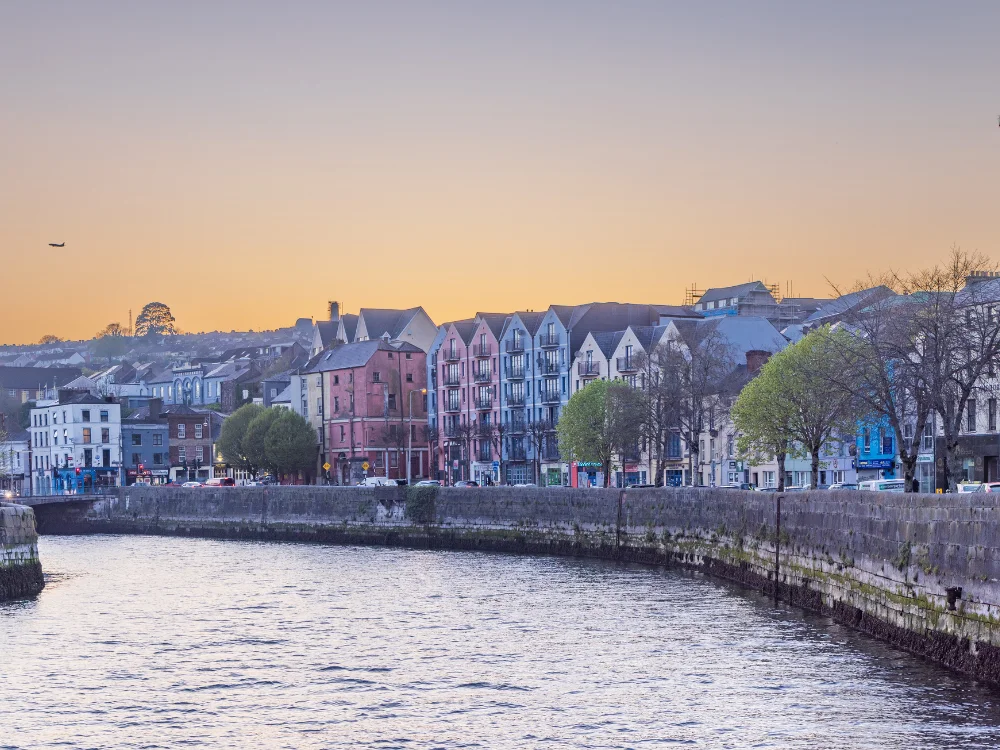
(13, 462)
(75, 444)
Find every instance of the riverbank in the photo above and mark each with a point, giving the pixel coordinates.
(920, 572)
(20, 569)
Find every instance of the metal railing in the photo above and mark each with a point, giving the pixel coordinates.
(545, 367)
(451, 380)
(451, 406)
(550, 396)
(452, 356)
(484, 402)
(481, 376)
(515, 373)
(588, 369)
(547, 339)
(514, 345)
(515, 399)
(626, 364)
(482, 350)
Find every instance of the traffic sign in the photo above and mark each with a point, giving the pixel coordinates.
(326, 466)
(364, 466)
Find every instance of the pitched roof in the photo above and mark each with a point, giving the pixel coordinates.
(743, 333)
(36, 378)
(82, 383)
(648, 336)
(379, 322)
(727, 292)
(677, 311)
(346, 356)
(465, 328)
(350, 321)
(607, 341)
(327, 331)
(225, 371)
(529, 319)
(285, 397)
(845, 303)
(495, 321)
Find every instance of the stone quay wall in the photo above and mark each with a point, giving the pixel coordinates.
(20, 569)
(921, 572)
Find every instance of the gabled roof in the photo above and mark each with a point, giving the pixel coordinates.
(677, 311)
(285, 397)
(495, 321)
(849, 302)
(225, 371)
(351, 355)
(82, 383)
(327, 330)
(742, 333)
(350, 323)
(379, 322)
(648, 336)
(728, 292)
(36, 378)
(529, 319)
(465, 328)
(607, 341)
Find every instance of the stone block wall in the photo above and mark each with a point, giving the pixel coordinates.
(20, 569)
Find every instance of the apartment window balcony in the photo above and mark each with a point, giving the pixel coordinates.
(484, 403)
(549, 340)
(451, 380)
(452, 406)
(515, 399)
(550, 454)
(515, 345)
(517, 453)
(545, 367)
(452, 356)
(450, 431)
(482, 350)
(626, 364)
(551, 396)
(484, 454)
(588, 369)
(515, 373)
(482, 376)
(516, 427)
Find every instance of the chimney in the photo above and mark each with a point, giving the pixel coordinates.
(334, 308)
(155, 406)
(976, 276)
(756, 360)
(65, 394)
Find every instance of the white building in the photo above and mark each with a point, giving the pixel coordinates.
(75, 444)
(14, 461)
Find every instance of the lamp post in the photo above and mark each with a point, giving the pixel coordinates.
(409, 435)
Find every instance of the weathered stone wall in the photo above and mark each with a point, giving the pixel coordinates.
(920, 571)
(20, 569)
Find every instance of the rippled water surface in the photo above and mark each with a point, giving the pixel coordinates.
(144, 642)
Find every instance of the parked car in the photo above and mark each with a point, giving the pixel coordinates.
(882, 485)
(467, 483)
(740, 486)
(377, 482)
(192, 484)
(843, 486)
(964, 487)
(526, 484)
(221, 482)
(428, 483)
(767, 489)
(993, 486)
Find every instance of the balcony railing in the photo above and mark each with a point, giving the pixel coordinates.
(588, 369)
(482, 350)
(449, 431)
(484, 455)
(517, 453)
(452, 356)
(550, 454)
(626, 364)
(516, 427)
(515, 373)
(450, 379)
(546, 367)
(484, 403)
(451, 406)
(514, 345)
(549, 339)
(551, 396)
(482, 376)
(515, 399)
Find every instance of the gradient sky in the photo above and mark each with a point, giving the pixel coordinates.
(245, 162)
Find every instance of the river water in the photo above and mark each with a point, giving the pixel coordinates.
(146, 642)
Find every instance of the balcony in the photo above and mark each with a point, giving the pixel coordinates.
(547, 367)
(452, 406)
(550, 396)
(517, 453)
(452, 355)
(482, 350)
(515, 399)
(450, 431)
(516, 427)
(547, 340)
(515, 345)
(482, 376)
(484, 454)
(550, 454)
(450, 379)
(482, 403)
(515, 373)
(626, 364)
(588, 369)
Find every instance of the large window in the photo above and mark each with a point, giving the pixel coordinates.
(197, 431)
(970, 415)
(105, 435)
(157, 438)
(887, 442)
(86, 434)
(181, 430)
(104, 415)
(136, 438)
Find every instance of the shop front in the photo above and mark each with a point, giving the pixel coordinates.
(586, 474)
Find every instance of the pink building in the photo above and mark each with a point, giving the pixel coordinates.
(467, 362)
(368, 391)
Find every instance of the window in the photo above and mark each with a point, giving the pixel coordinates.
(409, 377)
(86, 434)
(158, 459)
(181, 454)
(376, 377)
(199, 453)
(336, 404)
(181, 430)
(867, 440)
(409, 355)
(105, 435)
(104, 415)
(319, 405)
(84, 415)
(136, 459)
(392, 400)
(927, 440)
(336, 379)
(157, 438)
(197, 431)
(991, 414)
(342, 433)
(393, 460)
(55, 437)
(887, 442)
(136, 438)
(970, 415)
(729, 448)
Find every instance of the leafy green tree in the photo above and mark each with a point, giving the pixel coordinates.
(290, 444)
(234, 430)
(155, 319)
(253, 438)
(602, 421)
(762, 420)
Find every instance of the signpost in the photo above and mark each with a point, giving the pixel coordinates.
(326, 466)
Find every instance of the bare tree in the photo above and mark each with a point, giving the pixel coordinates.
(536, 432)
(465, 433)
(394, 438)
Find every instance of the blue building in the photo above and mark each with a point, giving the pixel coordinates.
(876, 451)
(146, 445)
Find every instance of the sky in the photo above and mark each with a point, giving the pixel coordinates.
(245, 162)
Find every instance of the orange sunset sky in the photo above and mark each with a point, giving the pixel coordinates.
(246, 162)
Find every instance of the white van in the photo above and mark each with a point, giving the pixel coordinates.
(883, 485)
(377, 482)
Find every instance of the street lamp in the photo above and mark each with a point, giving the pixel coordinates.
(409, 435)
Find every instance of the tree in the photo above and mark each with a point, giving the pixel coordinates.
(234, 429)
(495, 434)
(394, 438)
(254, 437)
(465, 433)
(114, 330)
(601, 421)
(290, 444)
(111, 341)
(155, 319)
(536, 433)
(762, 420)
(49, 338)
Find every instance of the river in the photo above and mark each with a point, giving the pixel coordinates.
(147, 642)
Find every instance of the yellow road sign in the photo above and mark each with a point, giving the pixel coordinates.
(364, 466)
(326, 466)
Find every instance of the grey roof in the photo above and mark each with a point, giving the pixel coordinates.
(745, 333)
(648, 336)
(848, 302)
(350, 321)
(794, 332)
(465, 328)
(347, 356)
(495, 321)
(677, 311)
(728, 292)
(82, 383)
(529, 319)
(607, 341)
(327, 331)
(285, 397)
(225, 371)
(36, 378)
(379, 322)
